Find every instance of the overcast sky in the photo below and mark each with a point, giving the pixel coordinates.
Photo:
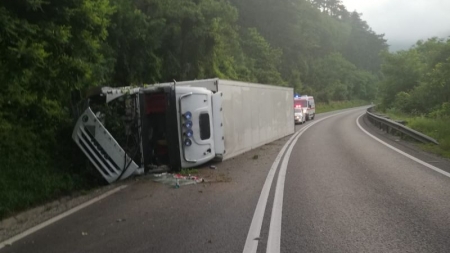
(404, 22)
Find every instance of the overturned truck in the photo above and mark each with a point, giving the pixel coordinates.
(134, 130)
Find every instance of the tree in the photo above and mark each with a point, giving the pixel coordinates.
(263, 58)
(422, 72)
(47, 48)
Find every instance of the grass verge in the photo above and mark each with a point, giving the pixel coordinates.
(437, 128)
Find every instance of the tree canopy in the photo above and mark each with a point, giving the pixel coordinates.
(417, 81)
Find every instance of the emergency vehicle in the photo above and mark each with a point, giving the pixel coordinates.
(306, 104)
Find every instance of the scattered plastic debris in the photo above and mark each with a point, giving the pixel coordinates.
(212, 167)
(255, 157)
(120, 220)
(84, 233)
(160, 175)
(176, 180)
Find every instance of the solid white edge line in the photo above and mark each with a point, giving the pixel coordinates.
(401, 152)
(59, 217)
(251, 243)
(274, 239)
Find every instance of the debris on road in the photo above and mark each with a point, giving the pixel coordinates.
(120, 220)
(255, 157)
(176, 180)
(84, 233)
(212, 167)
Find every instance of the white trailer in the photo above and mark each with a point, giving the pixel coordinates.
(182, 125)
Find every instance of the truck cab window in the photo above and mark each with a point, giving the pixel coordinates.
(205, 128)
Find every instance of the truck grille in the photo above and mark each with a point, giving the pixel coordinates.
(97, 154)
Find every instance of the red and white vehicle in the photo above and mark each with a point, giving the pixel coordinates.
(307, 105)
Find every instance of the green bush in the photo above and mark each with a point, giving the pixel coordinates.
(402, 101)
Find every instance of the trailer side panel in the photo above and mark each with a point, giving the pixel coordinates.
(254, 115)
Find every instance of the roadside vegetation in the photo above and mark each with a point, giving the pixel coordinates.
(48, 49)
(339, 105)
(437, 128)
(416, 88)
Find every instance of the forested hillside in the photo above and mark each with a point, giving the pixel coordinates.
(50, 48)
(417, 81)
(416, 88)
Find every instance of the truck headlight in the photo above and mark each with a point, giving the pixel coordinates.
(189, 133)
(187, 115)
(188, 124)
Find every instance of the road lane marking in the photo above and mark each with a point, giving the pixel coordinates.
(274, 239)
(251, 243)
(59, 217)
(401, 152)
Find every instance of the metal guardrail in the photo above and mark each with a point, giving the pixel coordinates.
(390, 125)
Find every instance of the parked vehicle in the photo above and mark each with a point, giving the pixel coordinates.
(307, 104)
(132, 130)
(299, 115)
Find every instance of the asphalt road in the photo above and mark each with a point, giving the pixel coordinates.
(339, 191)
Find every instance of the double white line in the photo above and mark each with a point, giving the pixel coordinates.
(253, 236)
